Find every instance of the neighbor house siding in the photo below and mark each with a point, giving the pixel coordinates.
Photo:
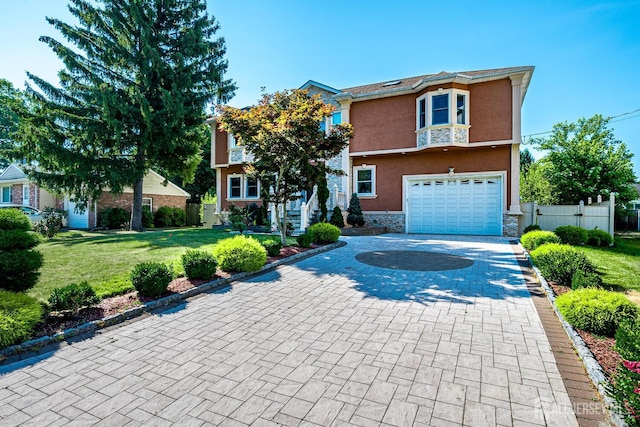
(390, 170)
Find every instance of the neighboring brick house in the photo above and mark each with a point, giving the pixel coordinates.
(16, 188)
(437, 153)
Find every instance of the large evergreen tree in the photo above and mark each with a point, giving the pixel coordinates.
(12, 100)
(138, 75)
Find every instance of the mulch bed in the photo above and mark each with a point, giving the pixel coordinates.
(602, 348)
(58, 322)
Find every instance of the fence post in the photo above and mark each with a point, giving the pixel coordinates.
(612, 212)
(581, 212)
(534, 214)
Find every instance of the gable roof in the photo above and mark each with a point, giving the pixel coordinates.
(310, 83)
(12, 173)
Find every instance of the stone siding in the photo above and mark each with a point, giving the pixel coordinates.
(510, 225)
(440, 136)
(394, 222)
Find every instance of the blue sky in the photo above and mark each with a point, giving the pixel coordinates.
(586, 54)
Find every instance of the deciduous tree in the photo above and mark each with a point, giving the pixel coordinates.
(137, 77)
(283, 134)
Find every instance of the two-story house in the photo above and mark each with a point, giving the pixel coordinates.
(437, 153)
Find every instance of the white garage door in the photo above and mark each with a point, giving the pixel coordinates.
(455, 205)
(77, 219)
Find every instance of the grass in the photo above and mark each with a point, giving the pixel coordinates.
(105, 259)
(620, 264)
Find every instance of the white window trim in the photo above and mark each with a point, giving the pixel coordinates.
(373, 193)
(150, 202)
(243, 188)
(26, 194)
(245, 180)
(453, 100)
(231, 141)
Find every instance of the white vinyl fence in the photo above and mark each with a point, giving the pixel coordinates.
(589, 216)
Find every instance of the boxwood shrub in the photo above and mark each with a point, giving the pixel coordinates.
(532, 227)
(558, 263)
(533, 239)
(585, 279)
(73, 297)
(272, 246)
(596, 310)
(198, 264)
(240, 253)
(151, 278)
(304, 240)
(19, 315)
(599, 238)
(572, 235)
(324, 232)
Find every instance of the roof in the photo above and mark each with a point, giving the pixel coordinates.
(12, 173)
(310, 83)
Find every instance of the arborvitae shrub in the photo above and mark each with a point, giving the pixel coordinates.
(324, 232)
(355, 217)
(336, 217)
(596, 310)
(240, 253)
(73, 297)
(572, 235)
(533, 239)
(19, 315)
(198, 264)
(151, 279)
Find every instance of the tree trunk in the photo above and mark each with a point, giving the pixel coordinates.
(283, 229)
(136, 210)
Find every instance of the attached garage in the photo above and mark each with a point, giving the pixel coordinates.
(454, 205)
(76, 219)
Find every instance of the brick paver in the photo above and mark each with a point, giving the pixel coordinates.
(326, 341)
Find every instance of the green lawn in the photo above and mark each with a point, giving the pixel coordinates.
(620, 264)
(105, 259)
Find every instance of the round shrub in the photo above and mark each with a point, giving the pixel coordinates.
(572, 235)
(336, 217)
(628, 339)
(114, 218)
(73, 297)
(533, 239)
(240, 253)
(558, 263)
(178, 217)
(19, 315)
(532, 227)
(13, 219)
(585, 279)
(11, 240)
(163, 217)
(596, 310)
(198, 264)
(272, 246)
(151, 278)
(599, 238)
(304, 240)
(324, 232)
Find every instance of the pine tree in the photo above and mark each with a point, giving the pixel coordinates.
(355, 216)
(132, 96)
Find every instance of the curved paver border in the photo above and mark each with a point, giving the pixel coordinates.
(94, 325)
(594, 370)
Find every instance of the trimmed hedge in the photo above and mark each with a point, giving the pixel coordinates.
(19, 315)
(167, 216)
(559, 263)
(73, 297)
(198, 264)
(585, 279)
(151, 278)
(272, 246)
(596, 310)
(599, 238)
(240, 253)
(572, 235)
(536, 238)
(324, 232)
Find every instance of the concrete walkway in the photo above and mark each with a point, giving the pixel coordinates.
(326, 341)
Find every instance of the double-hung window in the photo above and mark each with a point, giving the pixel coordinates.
(242, 187)
(235, 187)
(6, 195)
(365, 180)
(440, 109)
(252, 191)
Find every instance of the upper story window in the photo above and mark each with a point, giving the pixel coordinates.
(233, 143)
(436, 108)
(440, 109)
(365, 180)
(243, 187)
(461, 113)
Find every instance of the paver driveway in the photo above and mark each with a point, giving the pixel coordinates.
(326, 341)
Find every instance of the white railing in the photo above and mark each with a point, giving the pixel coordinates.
(589, 216)
(337, 198)
(307, 209)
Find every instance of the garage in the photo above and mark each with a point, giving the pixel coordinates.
(77, 219)
(455, 205)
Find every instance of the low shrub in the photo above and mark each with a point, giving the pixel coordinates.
(19, 315)
(336, 217)
(114, 218)
(147, 217)
(624, 389)
(73, 297)
(532, 227)
(585, 279)
(572, 235)
(533, 239)
(198, 264)
(272, 246)
(19, 263)
(628, 339)
(163, 217)
(13, 219)
(596, 310)
(151, 279)
(240, 253)
(12, 240)
(304, 240)
(559, 263)
(599, 238)
(178, 217)
(324, 232)
(50, 224)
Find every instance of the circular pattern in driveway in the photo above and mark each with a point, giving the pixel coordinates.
(414, 260)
